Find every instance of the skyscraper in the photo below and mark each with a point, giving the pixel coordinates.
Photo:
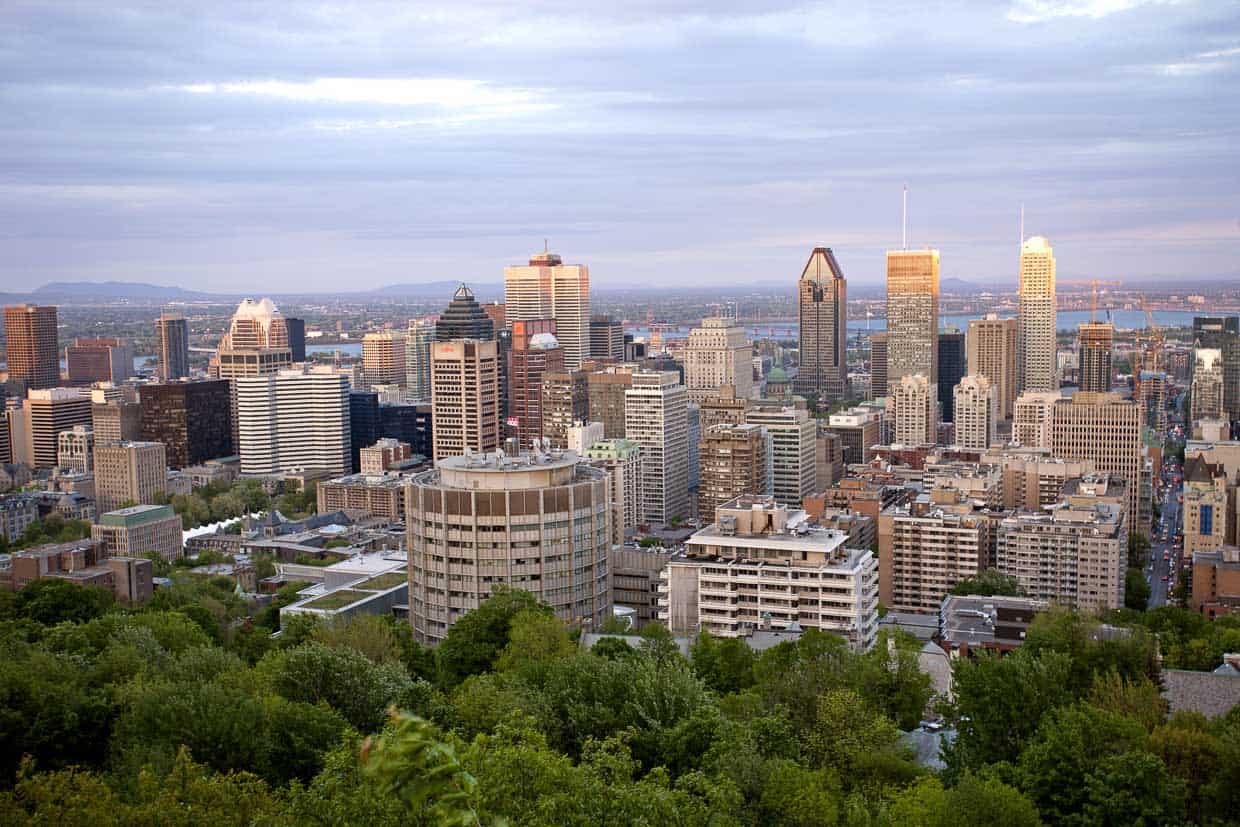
(383, 358)
(465, 396)
(296, 337)
(913, 408)
(606, 338)
(656, 419)
(535, 352)
(733, 462)
(418, 359)
(464, 318)
(98, 359)
(1106, 429)
(991, 346)
(976, 405)
(912, 315)
(822, 299)
(129, 473)
(32, 345)
(1031, 418)
(1206, 393)
(256, 345)
(50, 411)
(192, 419)
(878, 365)
(1095, 356)
(951, 370)
(172, 340)
(294, 419)
(565, 401)
(606, 389)
(547, 288)
(1035, 341)
(793, 438)
(1222, 333)
(718, 353)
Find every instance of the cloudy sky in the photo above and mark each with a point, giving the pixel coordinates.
(325, 146)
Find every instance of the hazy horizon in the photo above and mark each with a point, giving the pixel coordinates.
(276, 148)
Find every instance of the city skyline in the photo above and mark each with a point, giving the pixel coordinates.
(307, 150)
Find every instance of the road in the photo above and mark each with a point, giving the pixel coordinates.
(1154, 572)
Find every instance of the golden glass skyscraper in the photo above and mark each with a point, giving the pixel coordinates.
(1035, 337)
(912, 315)
(547, 288)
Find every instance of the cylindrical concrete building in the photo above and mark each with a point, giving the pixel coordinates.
(534, 522)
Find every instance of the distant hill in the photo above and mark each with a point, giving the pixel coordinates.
(116, 290)
(483, 291)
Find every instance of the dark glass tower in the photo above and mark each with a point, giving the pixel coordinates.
(951, 371)
(464, 319)
(822, 296)
(296, 337)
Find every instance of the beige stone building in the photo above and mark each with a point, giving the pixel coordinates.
(1031, 426)
(718, 353)
(928, 546)
(1205, 506)
(140, 530)
(1104, 429)
(990, 345)
(379, 495)
(977, 408)
(129, 472)
(464, 397)
(1037, 366)
(733, 463)
(793, 438)
(383, 358)
(913, 407)
(656, 418)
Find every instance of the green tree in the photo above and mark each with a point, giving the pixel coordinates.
(50, 601)
(1136, 590)
(476, 640)
(974, 802)
(1138, 550)
(1133, 788)
(724, 664)
(989, 582)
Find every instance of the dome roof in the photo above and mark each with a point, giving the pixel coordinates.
(777, 375)
(262, 309)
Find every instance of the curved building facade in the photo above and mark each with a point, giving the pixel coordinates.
(534, 522)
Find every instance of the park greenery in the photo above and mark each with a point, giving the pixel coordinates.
(216, 502)
(188, 711)
(53, 528)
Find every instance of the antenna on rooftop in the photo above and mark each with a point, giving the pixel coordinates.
(904, 221)
(546, 246)
(1022, 224)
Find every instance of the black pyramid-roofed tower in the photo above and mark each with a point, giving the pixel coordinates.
(464, 319)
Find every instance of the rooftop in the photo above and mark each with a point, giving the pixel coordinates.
(137, 515)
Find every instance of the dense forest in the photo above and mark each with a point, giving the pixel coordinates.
(188, 711)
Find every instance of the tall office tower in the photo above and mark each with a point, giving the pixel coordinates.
(49, 411)
(1094, 356)
(718, 353)
(497, 313)
(456, 520)
(464, 318)
(129, 473)
(1035, 338)
(296, 337)
(172, 342)
(294, 419)
(1074, 556)
(693, 422)
(1031, 422)
(565, 401)
(807, 579)
(928, 546)
(535, 351)
(733, 463)
(1222, 333)
(952, 369)
(991, 346)
(793, 438)
(1152, 395)
(1206, 393)
(363, 424)
(656, 419)
(1105, 429)
(546, 288)
(75, 449)
(912, 315)
(621, 459)
(913, 406)
(383, 358)
(192, 419)
(6, 438)
(606, 338)
(104, 359)
(465, 397)
(977, 406)
(829, 458)
(418, 359)
(33, 347)
(606, 389)
(859, 430)
(256, 344)
(822, 299)
(878, 365)
(116, 421)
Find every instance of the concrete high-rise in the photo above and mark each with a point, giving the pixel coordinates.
(718, 353)
(418, 359)
(192, 419)
(733, 460)
(1037, 368)
(912, 315)
(294, 419)
(464, 318)
(1094, 356)
(606, 389)
(621, 459)
(98, 359)
(535, 351)
(976, 404)
(878, 365)
(952, 369)
(565, 401)
(465, 397)
(513, 498)
(256, 344)
(1032, 416)
(383, 358)
(1105, 429)
(928, 546)
(822, 305)
(793, 454)
(913, 407)
(172, 344)
(1206, 394)
(547, 288)
(32, 345)
(129, 473)
(991, 346)
(50, 411)
(606, 338)
(115, 420)
(656, 419)
(1222, 333)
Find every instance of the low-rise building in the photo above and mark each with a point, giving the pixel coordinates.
(384, 455)
(968, 623)
(82, 563)
(761, 566)
(622, 459)
(1205, 505)
(17, 512)
(1216, 582)
(635, 577)
(140, 530)
(379, 495)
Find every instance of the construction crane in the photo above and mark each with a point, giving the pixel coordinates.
(1153, 333)
(1093, 297)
